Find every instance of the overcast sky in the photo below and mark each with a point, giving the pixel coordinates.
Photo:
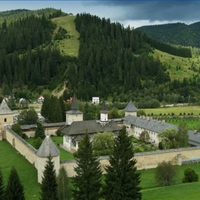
(133, 13)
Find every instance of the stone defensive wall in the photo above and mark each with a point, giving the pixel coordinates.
(145, 160)
(21, 145)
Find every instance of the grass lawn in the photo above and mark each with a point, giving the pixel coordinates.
(186, 191)
(178, 67)
(27, 172)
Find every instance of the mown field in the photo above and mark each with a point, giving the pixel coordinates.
(9, 157)
(178, 191)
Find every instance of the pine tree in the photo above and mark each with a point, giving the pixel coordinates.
(87, 182)
(1, 186)
(64, 192)
(14, 189)
(122, 180)
(49, 184)
(40, 132)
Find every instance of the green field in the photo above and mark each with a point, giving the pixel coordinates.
(178, 67)
(70, 45)
(186, 191)
(195, 110)
(150, 189)
(27, 172)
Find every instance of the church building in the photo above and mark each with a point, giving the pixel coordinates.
(76, 128)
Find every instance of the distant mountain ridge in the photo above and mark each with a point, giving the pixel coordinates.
(175, 33)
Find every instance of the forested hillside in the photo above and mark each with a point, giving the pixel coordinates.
(175, 33)
(113, 62)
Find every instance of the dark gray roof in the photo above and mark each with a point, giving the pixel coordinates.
(74, 112)
(89, 126)
(48, 148)
(103, 108)
(45, 125)
(74, 108)
(194, 138)
(74, 105)
(149, 124)
(4, 109)
(130, 107)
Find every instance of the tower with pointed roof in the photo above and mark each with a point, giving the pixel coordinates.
(103, 114)
(6, 117)
(74, 114)
(47, 148)
(130, 109)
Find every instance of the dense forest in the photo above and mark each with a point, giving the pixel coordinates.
(175, 33)
(113, 63)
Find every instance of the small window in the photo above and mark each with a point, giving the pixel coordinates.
(5, 120)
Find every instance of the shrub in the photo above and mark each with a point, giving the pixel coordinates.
(165, 174)
(190, 176)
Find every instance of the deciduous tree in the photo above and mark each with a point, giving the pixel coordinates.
(165, 174)
(103, 143)
(190, 176)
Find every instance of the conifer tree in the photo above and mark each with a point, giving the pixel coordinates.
(64, 192)
(122, 180)
(14, 189)
(87, 182)
(40, 132)
(49, 184)
(1, 186)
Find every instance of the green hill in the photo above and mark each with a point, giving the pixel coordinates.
(175, 33)
(90, 56)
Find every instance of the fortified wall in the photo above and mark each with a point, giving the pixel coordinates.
(37, 158)
(145, 160)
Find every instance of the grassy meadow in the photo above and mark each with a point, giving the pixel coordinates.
(178, 67)
(26, 171)
(70, 45)
(150, 189)
(178, 191)
(195, 110)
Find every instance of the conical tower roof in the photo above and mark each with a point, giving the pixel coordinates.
(103, 108)
(130, 107)
(48, 148)
(4, 109)
(74, 104)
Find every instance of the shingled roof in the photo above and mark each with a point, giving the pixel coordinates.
(90, 126)
(74, 107)
(130, 107)
(4, 109)
(103, 108)
(149, 123)
(48, 148)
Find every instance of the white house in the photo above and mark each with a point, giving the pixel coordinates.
(40, 99)
(95, 100)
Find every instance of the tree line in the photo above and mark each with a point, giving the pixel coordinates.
(113, 61)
